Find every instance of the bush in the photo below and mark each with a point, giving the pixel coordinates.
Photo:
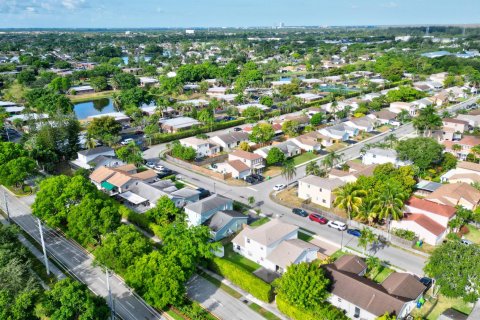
(242, 278)
(137, 219)
(323, 311)
(404, 234)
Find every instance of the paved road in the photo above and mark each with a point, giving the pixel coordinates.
(79, 263)
(217, 301)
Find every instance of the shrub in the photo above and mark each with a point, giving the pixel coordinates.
(404, 234)
(323, 311)
(242, 278)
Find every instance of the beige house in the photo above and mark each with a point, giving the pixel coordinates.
(398, 107)
(119, 179)
(454, 128)
(254, 161)
(467, 172)
(455, 194)
(318, 190)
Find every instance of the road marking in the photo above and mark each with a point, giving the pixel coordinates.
(252, 189)
(131, 305)
(103, 281)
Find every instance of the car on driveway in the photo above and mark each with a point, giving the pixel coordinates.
(258, 177)
(317, 218)
(354, 232)
(279, 187)
(126, 141)
(340, 226)
(300, 212)
(237, 129)
(427, 282)
(150, 164)
(466, 242)
(203, 193)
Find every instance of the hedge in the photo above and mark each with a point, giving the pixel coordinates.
(322, 312)
(242, 278)
(166, 137)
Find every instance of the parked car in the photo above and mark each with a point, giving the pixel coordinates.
(251, 180)
(299, 212)
(150, 164)
(203, 193)
(317, 218)
(126, 141)
(164, 173)
(237, 129)
(340, 226)
(159, 167)
(466, 242)
(354, 232)
(258, 177)
(279, 187)
(427, 282)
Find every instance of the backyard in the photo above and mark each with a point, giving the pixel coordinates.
(432, 308)
(473, 234)
(239, 260)
(304, 157)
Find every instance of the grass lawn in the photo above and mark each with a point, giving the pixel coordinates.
(90, 96)
(239, 260)
(432, 308)
(272, 171)
(290, 197)
(380, 274)
(305, 237)
(473, 235)
(259, 222)
(263, 312)
(304, 157)
(335, 147)
(174, 315)
(25, 191)
(337, 254)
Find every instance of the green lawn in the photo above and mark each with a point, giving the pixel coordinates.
(337, 254)
(305, 237)
(381, 274)
(174, 315)
(259, 222)
(304, 157)
(243, 262)
(432, 308)
(473, 235)
(263, 312)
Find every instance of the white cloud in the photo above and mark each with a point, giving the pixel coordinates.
(39, 6)
(390, 4)
(73, 4)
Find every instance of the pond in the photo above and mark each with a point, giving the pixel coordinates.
(83, 110)
(144, 58)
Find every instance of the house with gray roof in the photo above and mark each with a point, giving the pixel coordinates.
(179, 123)
(95, 158)
(274, 245)
(288, 148)
(230, 140)
(200, 211)
(225, 222)
(339, 132)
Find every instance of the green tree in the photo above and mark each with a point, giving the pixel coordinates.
(99, 83)
(124, 81)
(16, 171)
(60, 84)
(349, 198)
(70, 300)
(266, 101)
(262, 133)
(366, 237)
(456, 267)
(26, 77)
(289, 171)
(423, 152)
(182, 152)
(291, 128)
(130, 153)
(427, 121)
(317, 119)
(303, 285)
(253, 112)
(121, 248)
(332, 159)
(314, 169)
(388, 204)
(165, 212)
(100, 127)
(275, 156)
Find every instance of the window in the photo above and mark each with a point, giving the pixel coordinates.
(248, 240)
(324, 201)
(261, 248)
(357, 312)
(339, 299)
(320, 190)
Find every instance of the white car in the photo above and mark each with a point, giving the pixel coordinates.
(159, 167)
(279, 187)
(126, 141)
(150, 164)
(340, 226)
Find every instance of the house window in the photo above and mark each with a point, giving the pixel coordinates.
(308, 186)
(248, 240)
(261, 248)
(339, 299)
(324, 201)
(320, 190)
(238, 247)
(357, 312)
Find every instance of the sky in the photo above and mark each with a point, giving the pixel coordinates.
(232, 13)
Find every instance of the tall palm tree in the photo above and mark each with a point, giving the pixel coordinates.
(116, 100)
(288, 170)
(349, 198)
(427, 121)
(366, 212)
(332, 159)
(366, 237)
(313, 168)
(391, 140)
(90, 143)
(388, 204)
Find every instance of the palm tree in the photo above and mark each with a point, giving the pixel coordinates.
(388, 204)
(90, 143)
(116, 100)
(313, 168)
(373, 263)
(366, 212)
(456, 147)
(349, 198)
(427, 121)
(288, 170)
(331, 159)
(391, 140)
(366, 237)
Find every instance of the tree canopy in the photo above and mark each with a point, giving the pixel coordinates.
(423, 152)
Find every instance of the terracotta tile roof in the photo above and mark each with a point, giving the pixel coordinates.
(145, 175)
(455, 121)
(453, 192)
(126, 167)
(469, 166)
(238, 165)
(350, 263)
(426, 223)
(469, 141)
(436, 208)
(119, 179)
(101, 174)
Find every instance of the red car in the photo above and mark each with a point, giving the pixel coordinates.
(317, 218)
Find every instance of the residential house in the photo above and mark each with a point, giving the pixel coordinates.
(178, 124)
(439, 77)
(461, 148)
(203, 147)
(119, 179)
(236, 168)
(453, 129)
(472, 119)
(467, 172)
(365, 123)
(288, 148)
(339, 132)
(355, 170)
(425, 187)
(381, 156)
(398, 107)
(309, 97)
(422, 103)
(254, 161)
(216, 91)
(456, 94)
(312, 141)
(428, 220)
(225, 222)
(318, 190)
(276, 84)
(243, 107)
(363, 298)
(81, 90)
(96, 157)
(385, 117)
(148, 82)
(440, 99)
(200, 211)
(194, 102)
(455, 194)
(372, 95)
(266, 245)
(230, 140)
(226, 97)
(118, 116)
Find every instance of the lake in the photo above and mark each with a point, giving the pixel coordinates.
(90, 108)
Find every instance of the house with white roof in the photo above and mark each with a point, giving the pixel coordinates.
(365, 123)
(230, 140)
(274, 245)
(177, 124)
(288, 148)
(399, 106)
(467, 172)
(243, 107)
(381, 156)
(308, 97)
(203, 147)
(318, 190)
(96, 157)
(81, 90)
(148, 82)
(236, 168)
(200, 211)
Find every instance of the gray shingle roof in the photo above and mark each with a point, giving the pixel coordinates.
(222, 218)
(209, 203)
(96, 150)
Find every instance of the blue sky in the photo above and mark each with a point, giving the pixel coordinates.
(235, 13)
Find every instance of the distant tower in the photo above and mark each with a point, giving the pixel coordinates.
(427, 31)
(281, 25)
(463, 31)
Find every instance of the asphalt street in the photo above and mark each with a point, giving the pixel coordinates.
(79, 263)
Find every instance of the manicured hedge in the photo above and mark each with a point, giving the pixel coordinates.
(166, 137)
(322, 312)
(242, 278)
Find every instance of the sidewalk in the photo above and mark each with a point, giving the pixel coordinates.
(272, 307)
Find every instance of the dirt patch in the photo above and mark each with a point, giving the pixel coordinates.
(335, 147)
(272, 171)
(290, 196)
(236, 182)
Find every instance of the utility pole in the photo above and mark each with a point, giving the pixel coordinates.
(7, 211)
(110, 302)
(45, 258)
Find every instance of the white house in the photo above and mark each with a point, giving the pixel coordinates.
(365, 123)
(318, 190)
(254, 161)
(200, 211)
(236, 168)
(398, 107)
(274, 245)
(381, 156)
(467, 172)
(230, 140)
(85, 157)
(203, 148)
